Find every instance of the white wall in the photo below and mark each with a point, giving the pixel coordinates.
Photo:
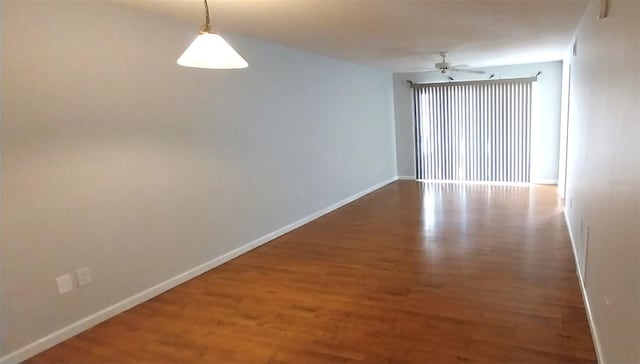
(545, 130)
(115, 158)
(603, 180)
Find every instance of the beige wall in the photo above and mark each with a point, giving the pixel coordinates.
(603, 184)
(115, 158)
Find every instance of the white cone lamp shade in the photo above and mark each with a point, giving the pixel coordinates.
(210, 50)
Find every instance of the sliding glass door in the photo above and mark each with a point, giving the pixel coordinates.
(475, 131)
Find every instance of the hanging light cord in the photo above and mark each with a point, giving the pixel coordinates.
(206, 28)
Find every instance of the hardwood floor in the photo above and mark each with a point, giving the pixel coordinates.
(412, 273)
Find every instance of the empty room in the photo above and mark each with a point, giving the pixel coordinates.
(320, 181)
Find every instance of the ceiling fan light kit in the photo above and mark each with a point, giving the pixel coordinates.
(209, 50)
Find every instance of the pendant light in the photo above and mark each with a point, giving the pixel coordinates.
(209, 50)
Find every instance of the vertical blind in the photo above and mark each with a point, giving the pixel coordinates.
(473, 131)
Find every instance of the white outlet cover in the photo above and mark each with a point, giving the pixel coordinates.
(84, 276)
(64, 284)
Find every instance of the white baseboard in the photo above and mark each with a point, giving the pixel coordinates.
(585, 296)
(545, 182)
(407, 178)
(103, 315)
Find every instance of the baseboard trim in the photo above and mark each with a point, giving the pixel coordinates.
(77, 327)
(406, 178)
(585, 296)
(545, 182)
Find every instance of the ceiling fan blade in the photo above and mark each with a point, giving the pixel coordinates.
(418, 69)
(477, 72)
(461, 66)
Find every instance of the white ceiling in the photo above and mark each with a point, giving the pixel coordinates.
(398, 35)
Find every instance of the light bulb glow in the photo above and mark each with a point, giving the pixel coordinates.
(210, 50)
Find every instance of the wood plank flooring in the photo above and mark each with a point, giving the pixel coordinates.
(411, 273)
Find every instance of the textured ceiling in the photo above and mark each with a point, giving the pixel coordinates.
(397, 35)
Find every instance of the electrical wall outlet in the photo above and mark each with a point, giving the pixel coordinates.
(64, 284)
(84, 276)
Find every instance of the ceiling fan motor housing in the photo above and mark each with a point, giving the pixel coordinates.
(443, 65)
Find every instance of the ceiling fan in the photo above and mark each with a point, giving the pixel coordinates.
(446, 68)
